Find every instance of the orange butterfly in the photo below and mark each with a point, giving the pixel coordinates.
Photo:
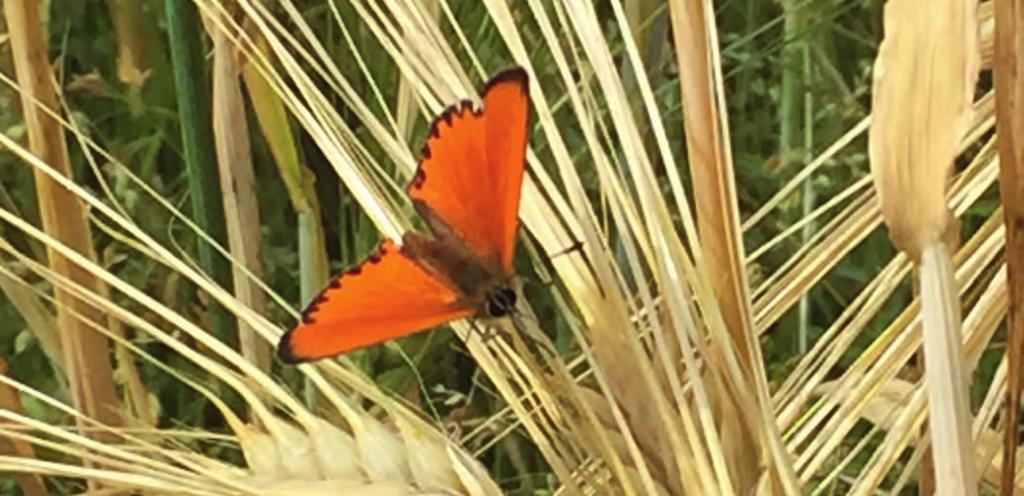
(467, 190)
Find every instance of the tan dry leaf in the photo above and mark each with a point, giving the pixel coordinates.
(238, 189)
(923, 90)
(132, 65)
(90, 83)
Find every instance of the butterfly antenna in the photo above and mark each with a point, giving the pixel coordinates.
(576, 246)
(547, 281)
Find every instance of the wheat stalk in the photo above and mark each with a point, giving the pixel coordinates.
(923, 87)
(86, 359)
(1009, 50)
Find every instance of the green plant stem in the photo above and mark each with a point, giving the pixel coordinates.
(193, 95)
(794, 87)
(809, 195)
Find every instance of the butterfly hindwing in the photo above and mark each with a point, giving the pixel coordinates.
(471, 172)
(387, 296)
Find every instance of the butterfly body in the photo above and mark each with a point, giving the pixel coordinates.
(446, 258)
(467, 190)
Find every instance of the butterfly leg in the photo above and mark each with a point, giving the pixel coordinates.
(485, 332)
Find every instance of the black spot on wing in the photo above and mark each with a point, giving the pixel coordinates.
(447, 117)
(307, 314)
(514, 74)
(421, 175)
(285, 352)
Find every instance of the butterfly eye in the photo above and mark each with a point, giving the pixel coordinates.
(501, 302)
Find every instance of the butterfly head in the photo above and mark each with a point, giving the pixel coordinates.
(501, 302)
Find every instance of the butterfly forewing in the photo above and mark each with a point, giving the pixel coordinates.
(472, 168)
(506, 112)
(387, 296)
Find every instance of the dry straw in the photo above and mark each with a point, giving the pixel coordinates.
(1009, 51)
(85, 354)
(659, 392)
(923, 86)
